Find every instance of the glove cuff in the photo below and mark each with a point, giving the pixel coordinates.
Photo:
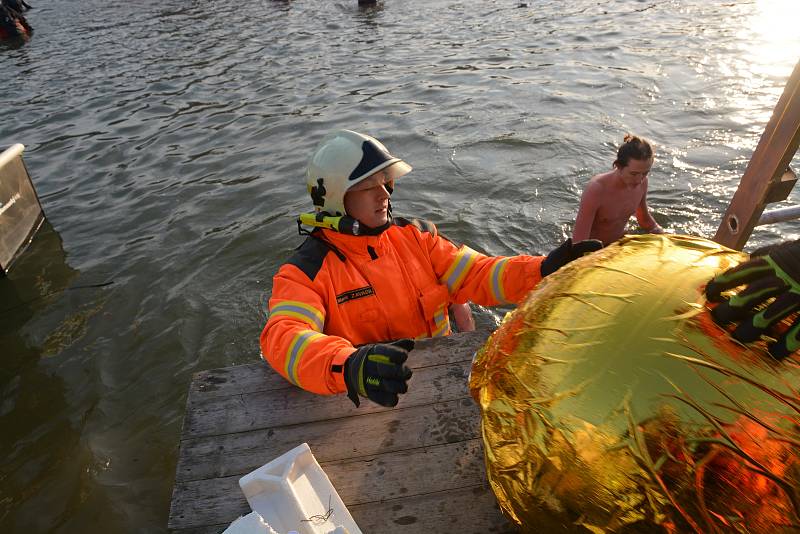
(787, 258)
(351, 368)
(337, 383)
(353, 373)
(784, 274)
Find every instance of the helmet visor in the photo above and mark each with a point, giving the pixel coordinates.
(383, 176)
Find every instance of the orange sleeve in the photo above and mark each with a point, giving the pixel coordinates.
(485, 280)
(292, 340)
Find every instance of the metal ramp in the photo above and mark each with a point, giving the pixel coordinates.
(21, 212)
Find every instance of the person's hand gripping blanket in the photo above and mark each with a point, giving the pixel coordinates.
(378, 372)
(772, 292)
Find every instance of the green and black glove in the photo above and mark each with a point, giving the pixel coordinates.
(566, 252)
(378, 372)
(772, 293)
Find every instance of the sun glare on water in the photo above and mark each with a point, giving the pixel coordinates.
(773, 38)
(769, 41)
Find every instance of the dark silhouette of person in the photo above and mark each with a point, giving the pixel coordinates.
(17, 5)
(12, 22)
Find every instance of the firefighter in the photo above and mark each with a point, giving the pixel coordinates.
(346, 306)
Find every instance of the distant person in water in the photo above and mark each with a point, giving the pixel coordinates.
(611, 198)
(17, 5)
(12, 24)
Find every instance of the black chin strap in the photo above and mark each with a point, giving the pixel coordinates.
(368, 230)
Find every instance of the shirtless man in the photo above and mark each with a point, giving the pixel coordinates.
(611, 198)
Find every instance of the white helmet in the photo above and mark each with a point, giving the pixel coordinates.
(341, 160)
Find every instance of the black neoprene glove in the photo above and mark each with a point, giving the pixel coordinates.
(566, 252)
(378, 372)
(772, 293)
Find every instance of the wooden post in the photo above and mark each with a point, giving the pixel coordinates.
(761, 182)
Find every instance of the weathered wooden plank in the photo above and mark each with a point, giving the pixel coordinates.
(411, 472)
(391, 430)
(266, 409)
(240, 418)
(441, 468)
(248, 378)
(205, 502)
(259, 376)
(467, 510)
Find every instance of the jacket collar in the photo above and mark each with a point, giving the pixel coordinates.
(353, 244)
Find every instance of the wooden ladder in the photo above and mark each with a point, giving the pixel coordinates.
(768, 177)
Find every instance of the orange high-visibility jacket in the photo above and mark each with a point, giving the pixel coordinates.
(339, 290)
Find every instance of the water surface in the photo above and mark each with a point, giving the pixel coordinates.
(167, 140)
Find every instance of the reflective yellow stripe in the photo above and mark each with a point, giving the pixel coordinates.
(299, 310)
(459, 269)
(442, 324)
(441, 331)
(496, 281)
(295, 353)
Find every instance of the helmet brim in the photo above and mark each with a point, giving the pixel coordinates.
(395, 168)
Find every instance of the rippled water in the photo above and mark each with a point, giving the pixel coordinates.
(168, 139)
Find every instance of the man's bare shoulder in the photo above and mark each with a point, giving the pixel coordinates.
(603, 179)
(599, 183)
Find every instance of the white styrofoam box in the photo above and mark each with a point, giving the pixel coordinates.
(251, 523)
(293, 493)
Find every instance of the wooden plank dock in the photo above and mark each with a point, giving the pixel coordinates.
(417, 467)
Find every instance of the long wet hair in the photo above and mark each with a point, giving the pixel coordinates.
(633, 147)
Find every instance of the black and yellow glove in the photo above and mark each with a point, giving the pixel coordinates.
(566, 252)
(772, 292)
(378, 372)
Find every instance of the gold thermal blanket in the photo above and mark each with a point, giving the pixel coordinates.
(610, 402)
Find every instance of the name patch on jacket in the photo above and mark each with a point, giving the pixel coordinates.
(354, 294)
